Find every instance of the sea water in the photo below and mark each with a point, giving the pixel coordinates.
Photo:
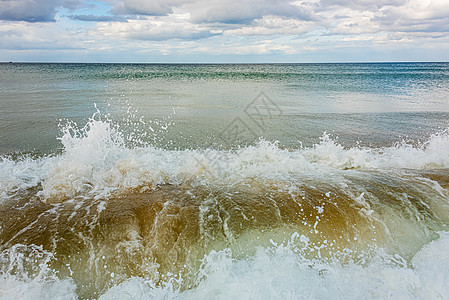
(270, 181)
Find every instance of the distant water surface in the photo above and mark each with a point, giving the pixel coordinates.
(369, 103)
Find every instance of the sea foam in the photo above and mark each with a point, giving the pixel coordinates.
(278, 272)
(96, 162)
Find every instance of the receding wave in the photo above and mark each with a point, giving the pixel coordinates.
(103, 219)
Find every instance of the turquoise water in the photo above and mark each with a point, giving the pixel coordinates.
(218, 181)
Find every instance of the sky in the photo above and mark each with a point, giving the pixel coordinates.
(202, 31)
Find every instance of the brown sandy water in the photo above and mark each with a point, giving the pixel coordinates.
(166, 231)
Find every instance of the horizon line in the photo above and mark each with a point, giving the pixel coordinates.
(216, 63)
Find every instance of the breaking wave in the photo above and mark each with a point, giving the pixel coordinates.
(106, 220)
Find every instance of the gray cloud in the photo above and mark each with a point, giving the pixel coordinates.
(212, 11)
(278, 18)
(194, 20)
(34, 10)
(145, 7)
(243, 11)
(28, 10)
(93, 18)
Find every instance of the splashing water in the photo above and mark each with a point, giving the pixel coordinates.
(105, 219)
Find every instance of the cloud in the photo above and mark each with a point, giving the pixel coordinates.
(272, 25)
(28, 10)
(243, 11)
(416, 16)
(284, 17)
(372, 17)
(226, 46)
(211, 11)
(259, 48)
(356, 23)
(223, 27)
(31, 36)
(34, 10)
(93, 18)
(360, 5)
(156, 29)
(203, 18)
(145, 7)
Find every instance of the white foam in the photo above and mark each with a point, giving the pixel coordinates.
(434, 153)
(95, 162)
(24, 274)
(281, 273)
(13, 288)
(19, 175)
(431, 263)
(276, 272)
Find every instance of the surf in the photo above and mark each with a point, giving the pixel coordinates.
(105, 217)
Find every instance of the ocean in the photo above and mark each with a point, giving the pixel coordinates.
(224, 181)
